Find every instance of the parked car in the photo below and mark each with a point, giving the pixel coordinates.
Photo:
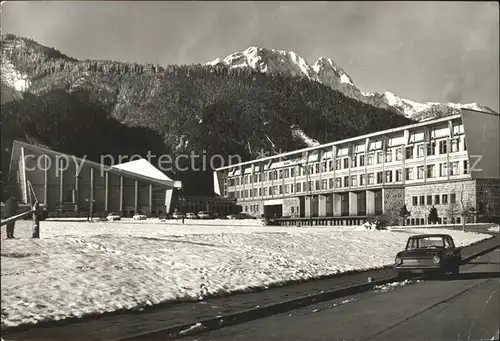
(139, 217)
(204, 215)
(242, 215)
(98, 219)
(178, 215)
(113, 217)
(429, 254)
(191, 215)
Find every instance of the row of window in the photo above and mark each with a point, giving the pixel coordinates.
(350, 181)
(422, 221)
(346, 162)
(439, 199)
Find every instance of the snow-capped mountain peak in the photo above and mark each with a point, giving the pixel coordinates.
(323, 65)
(327, 72)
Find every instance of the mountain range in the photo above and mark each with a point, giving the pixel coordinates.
(326, 72)
(252, 103)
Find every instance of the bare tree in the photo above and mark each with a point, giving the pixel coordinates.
(466, 209)
(453, 212)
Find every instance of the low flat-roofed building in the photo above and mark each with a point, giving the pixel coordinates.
(67, 185)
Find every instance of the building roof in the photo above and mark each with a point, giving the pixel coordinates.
(352, 139)
(145, 168)
(133, 169)
(356, 138)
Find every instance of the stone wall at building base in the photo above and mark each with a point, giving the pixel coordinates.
(465, 196)
(488, 199)
(394, 200)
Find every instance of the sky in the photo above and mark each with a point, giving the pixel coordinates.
(422, 51)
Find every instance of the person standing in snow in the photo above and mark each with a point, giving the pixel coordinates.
(36, 219)
(10, 210)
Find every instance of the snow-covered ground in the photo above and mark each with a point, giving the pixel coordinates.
(77, 268)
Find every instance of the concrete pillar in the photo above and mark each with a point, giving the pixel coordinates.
(91, 199)
(308, 206)
(370, 202)
(106, 188)
(337, 204)
(383, 199)
(61, 184)
(329, 205)
(353, 203)
(121, 194)
(46, 181)
(150, 199)
(136, 196)
(77, 193)
(322, 205)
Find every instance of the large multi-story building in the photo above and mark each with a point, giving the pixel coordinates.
(451, 163)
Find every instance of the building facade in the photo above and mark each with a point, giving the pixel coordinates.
(67, 185)
(451, 163)
(220, 205)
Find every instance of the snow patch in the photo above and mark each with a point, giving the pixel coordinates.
(390, 286)
(13, 83)
(345, 79)
(300, 135)
(194, 328)
(13, 78)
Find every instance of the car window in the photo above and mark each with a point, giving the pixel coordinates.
(450, 242)
(447, 243)
(431, 242)
(412, 244)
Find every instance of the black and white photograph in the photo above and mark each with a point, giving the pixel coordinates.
(250, 170)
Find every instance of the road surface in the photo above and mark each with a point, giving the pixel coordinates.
(465, 308)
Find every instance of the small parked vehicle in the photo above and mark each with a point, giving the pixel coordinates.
(191, 215)
(139, 217)
(429, 254)
(178, 215)
(113, 217)
(98, 219)
(242, 215)
(204, 215)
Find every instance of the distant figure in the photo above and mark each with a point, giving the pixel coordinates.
(10, 210)
(36, 219)
(367, 225)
